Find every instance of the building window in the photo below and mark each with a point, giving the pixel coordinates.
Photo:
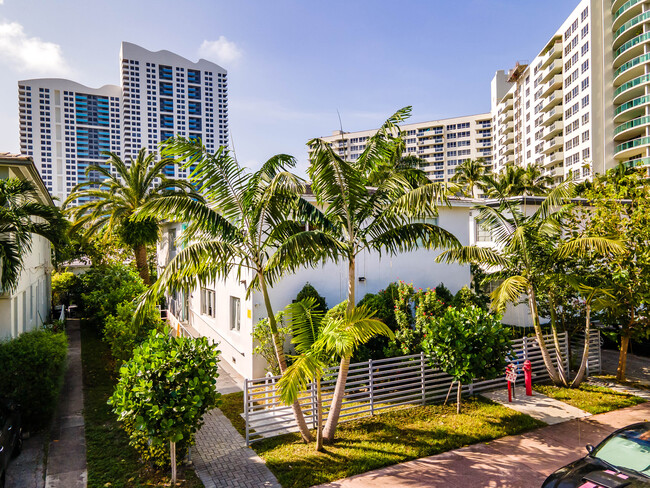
(207, 302)
(482, 234)
(235, 314)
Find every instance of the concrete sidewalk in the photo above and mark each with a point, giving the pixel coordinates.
(520, 461)
(66, 461)
(540, 407)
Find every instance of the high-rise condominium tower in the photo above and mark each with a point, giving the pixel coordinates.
(441, 144)
(582, 105)
(65, 126)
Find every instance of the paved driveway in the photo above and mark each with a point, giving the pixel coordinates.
(521, 461)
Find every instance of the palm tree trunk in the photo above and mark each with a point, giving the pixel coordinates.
(622, 356)
(319, 415)
(141, 263)
(550, 367)
(585, 353)
(282, 360)
(458, 397)
(564, 378)
(339, 390)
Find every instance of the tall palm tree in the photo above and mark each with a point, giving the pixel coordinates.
(392, 216)
(520, 253)
(112, 202)
(318, 337)
(21, 216)
(245, 222)
(470, 175)
(516, 181)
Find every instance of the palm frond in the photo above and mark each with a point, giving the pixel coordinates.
(510, 290)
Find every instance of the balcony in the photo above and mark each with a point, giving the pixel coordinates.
(633, 128)
(554, 53)
(508, 149)
(553, 101)
(627, 30)
(552, 85)
(632, 89)
(553, 115)
(631, 148)
(554, 68)
(632, 109)
(632, 69)
(625, 12)
(556, 157)
(553, 145)
(553, 130)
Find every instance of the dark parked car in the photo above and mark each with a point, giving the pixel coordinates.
(621, 460)
(11, 439)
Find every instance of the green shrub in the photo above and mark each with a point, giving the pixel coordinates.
(63, 288)
(263, 340)
(308, 291)
(164, 391)
(467, 344)
(121, 333)
(467, 298)
(32, 367)
(107, 286)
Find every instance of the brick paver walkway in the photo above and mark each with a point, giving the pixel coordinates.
(220, 456)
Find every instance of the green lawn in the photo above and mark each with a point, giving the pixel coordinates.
(111, 461)
(592, 399)
(387, 439)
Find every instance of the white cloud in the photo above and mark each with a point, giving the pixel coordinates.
(30, 54)
(220, 51)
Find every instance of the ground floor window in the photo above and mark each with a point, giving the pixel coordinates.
(207, 302)
(235, 313)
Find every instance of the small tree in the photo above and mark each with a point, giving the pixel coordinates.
(265, 343)
(466, 344)
(165, 390)
(308, 291)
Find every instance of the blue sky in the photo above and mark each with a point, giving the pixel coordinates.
(292, 63)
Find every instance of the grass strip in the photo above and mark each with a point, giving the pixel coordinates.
(112, 462)
(590, 398)
(385, 439)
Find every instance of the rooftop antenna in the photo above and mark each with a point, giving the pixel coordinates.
(345, 151)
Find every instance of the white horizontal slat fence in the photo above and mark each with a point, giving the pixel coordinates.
(376, 385)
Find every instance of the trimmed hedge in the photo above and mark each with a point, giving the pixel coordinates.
(33, 364)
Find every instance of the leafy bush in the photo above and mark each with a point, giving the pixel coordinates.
(164, 391)
(107, 286)
(121, 333)
(32, 367)
(467, 344)
(63, 288)
(264, 341)
(467, 298)
(308, 291)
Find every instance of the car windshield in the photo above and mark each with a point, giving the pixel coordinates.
(629, 449)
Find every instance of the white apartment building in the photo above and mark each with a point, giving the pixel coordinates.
(443, 144)
(28, 305)
(224, 313)
(582, 105)
(65, 126)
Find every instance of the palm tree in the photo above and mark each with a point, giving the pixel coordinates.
(393, 216)
(470, 175)
(245, 222)
(111, 203)
(318, 337)
(516, 181)
(520, 254)
(21, 216)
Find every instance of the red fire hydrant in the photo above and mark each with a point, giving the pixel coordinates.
(528, 377)
(511, 377)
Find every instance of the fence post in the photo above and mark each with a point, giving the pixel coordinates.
(371, 388)
(246, 412)
(313, 403)
(566, 351)
(600, 357)
(422, 382)
(524, 344)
